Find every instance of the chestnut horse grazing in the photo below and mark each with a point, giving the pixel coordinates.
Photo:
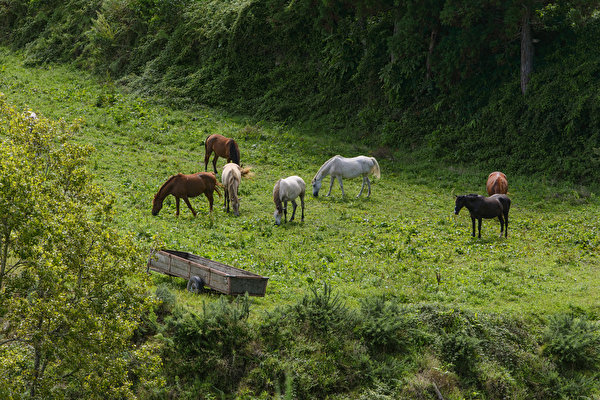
(480, 207)
(223, 147)
(287, 190)
(496, 183)
(231, 177)
(183, 186)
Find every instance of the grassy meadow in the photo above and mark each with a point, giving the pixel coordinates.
(398, 242)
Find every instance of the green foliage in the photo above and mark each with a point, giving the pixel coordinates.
(213, 347)
(71, 292)
(321, 311)
(573, 342)
(388, 327)
(167, 300)
(434, 74)
(412, 300)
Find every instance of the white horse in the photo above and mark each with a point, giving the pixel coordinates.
(287, 190)
(231, 177)
(340, 167)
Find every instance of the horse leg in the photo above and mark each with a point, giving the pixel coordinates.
(341, 184)
(502, 223)
(294, 205)
(177, 206)
(206, 159)
(226, 200)
(331, 185)
(506, 225)
(187, 201)
(473, 221)
(215, 163)
(211, 199)
(369, 185)
(302, 204)
(285, 211)
(362, 187)
(479, 224)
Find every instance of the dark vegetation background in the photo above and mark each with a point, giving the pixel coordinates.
(438, 76)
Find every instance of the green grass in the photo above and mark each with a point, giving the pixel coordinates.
(397, 242)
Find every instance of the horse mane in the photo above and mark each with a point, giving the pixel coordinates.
(325, 165)
(234, 152)
(166, 183)
(232, 193)
(276, 198)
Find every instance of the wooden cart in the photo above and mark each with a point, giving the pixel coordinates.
(202, 272)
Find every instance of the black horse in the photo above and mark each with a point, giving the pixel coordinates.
(480, 207)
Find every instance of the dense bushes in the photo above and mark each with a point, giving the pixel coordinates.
(320, 347)
(71, 290)
(429, 74)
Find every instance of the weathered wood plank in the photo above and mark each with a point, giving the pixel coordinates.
(218, 276)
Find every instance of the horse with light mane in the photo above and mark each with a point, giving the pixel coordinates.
(480, 207)
(496, 183)
(231, 177)
(340, 167)
(184, 186)
(285, 190)
(222, 147)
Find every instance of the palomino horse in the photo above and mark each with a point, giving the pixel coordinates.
(480, 207)
(231, 177)
(183, 186)
(340, 167)
(496, 183)
(287, 190)
(223, 147)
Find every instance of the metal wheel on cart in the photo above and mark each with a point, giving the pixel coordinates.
(195, 284)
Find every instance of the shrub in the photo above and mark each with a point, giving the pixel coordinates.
(321, 312)
(572, 342)
(213, 347)
(167, 300)
(385, 327)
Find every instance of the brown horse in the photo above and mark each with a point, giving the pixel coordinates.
(223, 147)
(496, 183)
(183, 186)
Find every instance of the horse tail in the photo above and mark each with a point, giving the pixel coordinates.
(496, 183)
(505, 201)
(375, 168)
(234, 152)
(217, 186)
(246, 172)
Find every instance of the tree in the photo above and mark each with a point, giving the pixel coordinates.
(71, 288)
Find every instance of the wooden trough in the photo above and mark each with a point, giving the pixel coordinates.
(200, 272)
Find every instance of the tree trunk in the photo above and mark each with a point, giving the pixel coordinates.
(526, 50)
(394, 33)
(432, 40)
(4, 257)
